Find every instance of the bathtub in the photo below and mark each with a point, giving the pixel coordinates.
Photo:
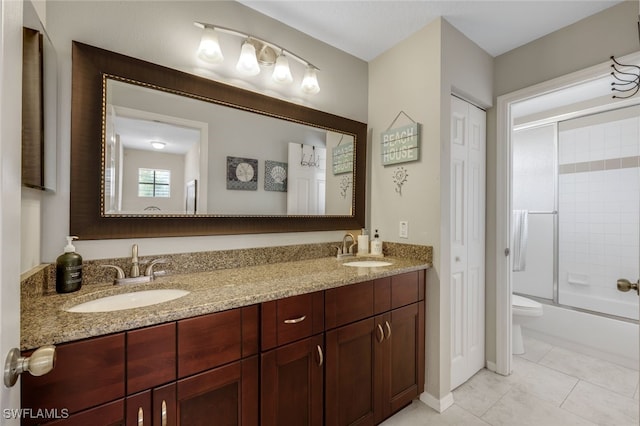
(590, 334)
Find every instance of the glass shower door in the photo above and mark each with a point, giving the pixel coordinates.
(599, 210)
(534, 195)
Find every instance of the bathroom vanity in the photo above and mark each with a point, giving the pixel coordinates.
(306, 342)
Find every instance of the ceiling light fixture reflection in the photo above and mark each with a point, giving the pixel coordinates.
(257, 52)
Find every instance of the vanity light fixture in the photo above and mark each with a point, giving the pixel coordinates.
(209, 49)
(310, 81)
(158, 144)
(256, 52)
(248, 61)
(281, 71)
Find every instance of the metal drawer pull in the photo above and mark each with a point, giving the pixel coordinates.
(164, 413)
(388, 326)
(295, 320)
(140, 417)
(320, 356)
(380, 333)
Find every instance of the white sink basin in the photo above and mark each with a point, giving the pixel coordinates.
(367, 263)
(136, 299)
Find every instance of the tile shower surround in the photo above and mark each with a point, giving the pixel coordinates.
(599, 198)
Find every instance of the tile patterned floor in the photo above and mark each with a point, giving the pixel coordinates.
(550, 386)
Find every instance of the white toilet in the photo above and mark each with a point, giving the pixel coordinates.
(522, 310)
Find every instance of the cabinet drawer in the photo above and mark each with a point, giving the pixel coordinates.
(87, 373)
(209, 341)
(406, 288)
(151, 357)
(348, 304)
(291, 319)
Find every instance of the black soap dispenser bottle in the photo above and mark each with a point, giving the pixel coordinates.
(69, 269)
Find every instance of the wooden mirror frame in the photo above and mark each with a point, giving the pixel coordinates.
(87, 219)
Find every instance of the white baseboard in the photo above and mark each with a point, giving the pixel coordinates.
(491, 366)
(437, 404)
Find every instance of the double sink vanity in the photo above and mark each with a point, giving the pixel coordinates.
(314, 341)
(271, 336)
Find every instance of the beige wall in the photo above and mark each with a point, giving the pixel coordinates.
(586, 43)
(407, 78)
(163, 32)
(417, 77)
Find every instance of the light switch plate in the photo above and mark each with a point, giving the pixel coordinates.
(404, 229)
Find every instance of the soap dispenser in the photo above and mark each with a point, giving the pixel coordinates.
(376, 245)
(69, 269)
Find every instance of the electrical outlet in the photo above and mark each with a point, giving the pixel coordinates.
(404, 229)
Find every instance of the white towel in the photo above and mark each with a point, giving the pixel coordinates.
(520, 233)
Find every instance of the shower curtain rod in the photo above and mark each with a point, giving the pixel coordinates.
(549, 212)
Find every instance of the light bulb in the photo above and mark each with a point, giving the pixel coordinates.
(209, 49)
(248, 63)
(281, 71)
(310, 81)
(158, 144)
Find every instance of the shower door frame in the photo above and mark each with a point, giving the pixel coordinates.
(556, 202)
(504, 129)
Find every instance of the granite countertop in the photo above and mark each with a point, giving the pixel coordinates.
(44, 321)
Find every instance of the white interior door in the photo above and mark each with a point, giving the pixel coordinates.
(10, 119)
(306, 180)
(467, 221)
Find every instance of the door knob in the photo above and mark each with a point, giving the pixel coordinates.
(41, 361)
(626, 285)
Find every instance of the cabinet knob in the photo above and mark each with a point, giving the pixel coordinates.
(140, 416)
(380, 334)
(388, 327)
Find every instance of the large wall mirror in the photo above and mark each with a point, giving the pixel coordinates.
(159, 152)
(39, 103)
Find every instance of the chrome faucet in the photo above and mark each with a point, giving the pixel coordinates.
(134, 275)
(346, 250)
(135, 269)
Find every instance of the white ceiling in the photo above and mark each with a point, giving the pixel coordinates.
(366, 28)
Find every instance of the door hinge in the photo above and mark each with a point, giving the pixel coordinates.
(507, 251)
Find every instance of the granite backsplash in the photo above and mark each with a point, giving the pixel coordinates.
(41, 280)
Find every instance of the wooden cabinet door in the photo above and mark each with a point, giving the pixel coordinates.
(151, 357)
(353, 374)
(138, 409)
(225, 396)
(163, 405)
(87, 373)
(153, 407)
(111, 414)
(404, 337)
(291, 385)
